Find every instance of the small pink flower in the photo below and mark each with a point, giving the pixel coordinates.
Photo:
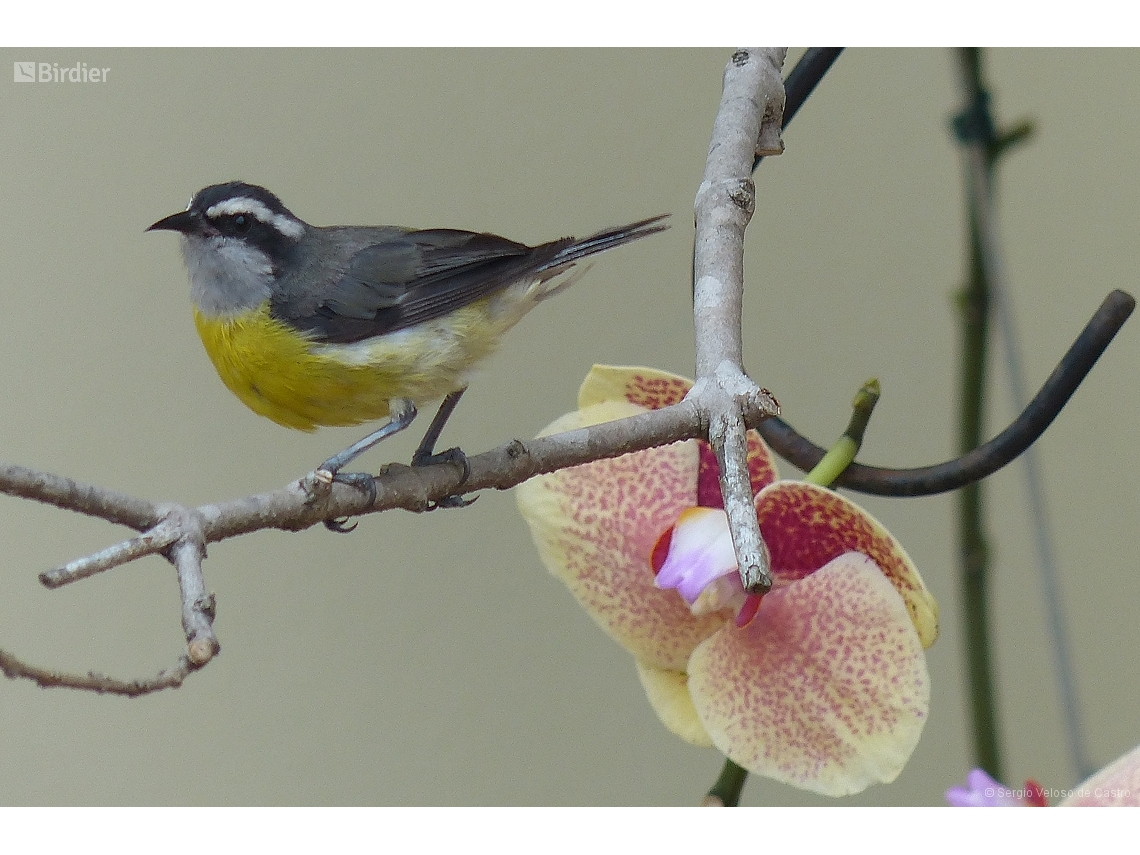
(822, 682)
(983, 791)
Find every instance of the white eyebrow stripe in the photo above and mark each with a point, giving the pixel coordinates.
(288, 226)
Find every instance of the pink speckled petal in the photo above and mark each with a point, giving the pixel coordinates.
(806, 526)
(669, 696)
(1116, 785)
(646, 387)
(595, 526)
(826, 689)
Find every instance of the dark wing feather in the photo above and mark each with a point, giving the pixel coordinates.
(408, 277)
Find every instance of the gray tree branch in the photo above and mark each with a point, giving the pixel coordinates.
(747, 125)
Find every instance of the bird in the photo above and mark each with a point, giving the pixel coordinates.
(340, 325)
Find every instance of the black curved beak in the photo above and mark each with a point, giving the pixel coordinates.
(184, 222)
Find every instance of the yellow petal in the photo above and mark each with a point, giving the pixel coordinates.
(805, 526)
(646, 387)
(668, 694)
(595, 526)
(826, 689)
(1116, 785)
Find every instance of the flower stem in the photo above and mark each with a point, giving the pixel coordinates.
(840, 455)
(726, 791)
(983, 145)
(975, 127)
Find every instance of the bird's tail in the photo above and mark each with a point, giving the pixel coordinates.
(576, 250)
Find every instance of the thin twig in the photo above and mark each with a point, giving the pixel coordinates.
(94, 682)
(725, 792)
(151, 542)
(311, 499)
(73, 495)
(198, 605)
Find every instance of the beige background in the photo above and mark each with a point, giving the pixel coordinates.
(430, 659)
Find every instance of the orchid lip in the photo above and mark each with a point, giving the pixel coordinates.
(701, 563)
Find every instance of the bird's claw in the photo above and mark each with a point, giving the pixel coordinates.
(453, 501)
(360, 480)
(451, 455)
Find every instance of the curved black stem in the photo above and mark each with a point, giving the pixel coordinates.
(802, 80)
(993, 455)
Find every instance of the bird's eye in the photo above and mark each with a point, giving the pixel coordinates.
(233, 224)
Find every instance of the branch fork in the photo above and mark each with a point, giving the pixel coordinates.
(180, 536)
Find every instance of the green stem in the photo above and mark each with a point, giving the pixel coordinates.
(728, 787)
(974, 560)
(840, 455)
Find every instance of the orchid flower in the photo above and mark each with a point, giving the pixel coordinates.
(821, 683)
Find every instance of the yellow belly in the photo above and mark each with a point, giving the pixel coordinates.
(285, 376)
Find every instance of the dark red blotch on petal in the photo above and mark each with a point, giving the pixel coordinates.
(761, 469)
(661, 550)
(1034, 794)
(805, 529)
(749, 609)
(708, 479)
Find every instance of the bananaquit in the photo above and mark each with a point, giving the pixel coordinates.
(338, 325)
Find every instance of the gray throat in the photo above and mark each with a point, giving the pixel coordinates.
(227, 277)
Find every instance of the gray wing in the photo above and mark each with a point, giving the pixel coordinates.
(408, 277)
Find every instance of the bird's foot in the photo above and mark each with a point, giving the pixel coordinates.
(422, 457)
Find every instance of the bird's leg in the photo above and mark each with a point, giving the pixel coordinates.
(401, 413)
(426, 455)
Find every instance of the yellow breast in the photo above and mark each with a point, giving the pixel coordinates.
(285, 376)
